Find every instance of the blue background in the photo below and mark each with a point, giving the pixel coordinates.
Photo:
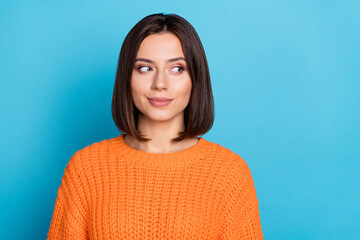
(285, 77)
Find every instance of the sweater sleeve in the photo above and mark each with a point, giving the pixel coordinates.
(241, 213)
(69, 216)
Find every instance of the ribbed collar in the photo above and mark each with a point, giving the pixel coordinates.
(146, 159)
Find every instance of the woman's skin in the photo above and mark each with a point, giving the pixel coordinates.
(160, 71)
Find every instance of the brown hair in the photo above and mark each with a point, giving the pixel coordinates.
(199, 114)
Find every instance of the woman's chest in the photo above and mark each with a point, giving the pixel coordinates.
(154, 204)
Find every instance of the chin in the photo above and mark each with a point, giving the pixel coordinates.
(161, 117)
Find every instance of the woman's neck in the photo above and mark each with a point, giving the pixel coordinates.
(161, 135)
(160, 146)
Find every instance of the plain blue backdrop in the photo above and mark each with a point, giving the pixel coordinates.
(285, 78)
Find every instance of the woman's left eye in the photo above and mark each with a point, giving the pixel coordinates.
(178, 69)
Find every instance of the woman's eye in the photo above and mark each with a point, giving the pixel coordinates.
(178, 69)
(144, 68)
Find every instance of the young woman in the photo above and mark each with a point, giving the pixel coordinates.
(158, 180)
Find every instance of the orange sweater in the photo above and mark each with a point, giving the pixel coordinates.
(112, 191)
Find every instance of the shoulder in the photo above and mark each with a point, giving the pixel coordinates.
(95, 147)
(228, 158)
(92, 152)
(233, 172)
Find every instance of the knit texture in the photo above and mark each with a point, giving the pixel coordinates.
(112, 191)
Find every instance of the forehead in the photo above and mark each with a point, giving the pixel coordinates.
(161, 45)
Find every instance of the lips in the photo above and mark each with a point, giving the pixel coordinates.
(162, 99)
(159, 102)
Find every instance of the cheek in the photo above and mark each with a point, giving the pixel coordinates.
(136, 92)
(186, 88)
(137, 88)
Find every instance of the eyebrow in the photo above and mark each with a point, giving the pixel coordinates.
(151, 61)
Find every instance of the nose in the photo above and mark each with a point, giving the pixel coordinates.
(160, 81)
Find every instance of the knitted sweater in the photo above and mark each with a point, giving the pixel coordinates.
(112, 191)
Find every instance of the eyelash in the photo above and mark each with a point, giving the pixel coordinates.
(181, 68)
(142, 67)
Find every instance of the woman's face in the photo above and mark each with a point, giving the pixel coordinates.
(160, 81)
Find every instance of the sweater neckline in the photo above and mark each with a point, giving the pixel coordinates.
(142, 158)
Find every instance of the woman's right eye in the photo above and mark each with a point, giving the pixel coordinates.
(144, 69)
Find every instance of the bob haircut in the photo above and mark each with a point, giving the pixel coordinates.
(199, 113)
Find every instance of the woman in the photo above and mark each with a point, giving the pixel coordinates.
(158, 180)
